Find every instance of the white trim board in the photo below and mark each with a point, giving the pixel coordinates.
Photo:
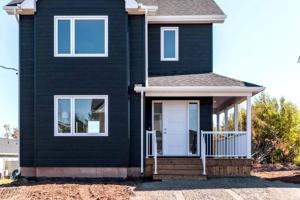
(72, 20)
(173, 19)
(162, 43)
(198, 91)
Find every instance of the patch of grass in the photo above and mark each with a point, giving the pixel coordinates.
(5, 181)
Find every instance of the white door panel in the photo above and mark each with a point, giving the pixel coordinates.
(175, 128)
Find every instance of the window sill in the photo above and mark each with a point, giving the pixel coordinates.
(81, 135)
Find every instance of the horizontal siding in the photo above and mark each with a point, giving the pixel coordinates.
(81, 76)
(26, 91)
(137, 76)
(195, 50)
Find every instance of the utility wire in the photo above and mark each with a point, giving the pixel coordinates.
(10, 68)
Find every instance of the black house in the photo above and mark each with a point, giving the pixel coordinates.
(122, 88)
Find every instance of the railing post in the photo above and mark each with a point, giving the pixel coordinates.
(147, 144)
(154, 149)
(249, 107)
(203, 153)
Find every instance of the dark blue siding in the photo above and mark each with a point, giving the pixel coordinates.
(137, 76)
(81, 76)
(26, 91)
(195, 50)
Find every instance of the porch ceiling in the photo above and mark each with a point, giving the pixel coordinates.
(222, 103)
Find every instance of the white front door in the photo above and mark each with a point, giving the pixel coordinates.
(175, 128)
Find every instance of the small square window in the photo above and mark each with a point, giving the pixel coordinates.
(81, 36)
(169, 44)
(81, 115)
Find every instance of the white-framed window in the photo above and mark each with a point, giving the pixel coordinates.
(169, 47)
(80, 36)
(80, 115)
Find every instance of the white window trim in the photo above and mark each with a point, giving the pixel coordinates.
(162, 43)
(72, 37)
(72, 113)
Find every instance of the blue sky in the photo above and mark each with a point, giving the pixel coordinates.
(259, 42)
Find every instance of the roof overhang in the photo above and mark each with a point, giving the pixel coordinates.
(198, 91)
(189, 19)
(27, 7)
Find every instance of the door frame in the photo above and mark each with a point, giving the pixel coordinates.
(187, 102)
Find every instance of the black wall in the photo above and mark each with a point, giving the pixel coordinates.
(195, 50)
(77, 76)
(137, 76)
(26, 90)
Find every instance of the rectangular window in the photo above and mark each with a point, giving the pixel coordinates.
(81, 36)
(81, 115)
(193, 128)
(169, 44)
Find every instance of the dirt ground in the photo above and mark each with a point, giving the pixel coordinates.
(271, 180)
(65, 191)
(286, 173)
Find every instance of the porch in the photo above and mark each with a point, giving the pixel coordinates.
(182, 139)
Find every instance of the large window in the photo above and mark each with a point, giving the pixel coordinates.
(169, 43)
(81, 115)
(81, 36)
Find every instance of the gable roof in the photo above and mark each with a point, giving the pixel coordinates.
(15, 2)
(183, 7)
(189, 11)
(206, 79)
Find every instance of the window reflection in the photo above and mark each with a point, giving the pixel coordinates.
(89, 116)
(193, 128)
(64, 116)
(158, 124)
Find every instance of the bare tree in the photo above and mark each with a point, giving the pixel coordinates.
(7, 133)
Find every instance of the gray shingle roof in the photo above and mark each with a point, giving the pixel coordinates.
(207, 79)
(14, 2)
(173, 7)
(184, 7)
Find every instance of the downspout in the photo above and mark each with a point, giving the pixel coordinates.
(18, 33)
(146, 47)
(142, 132)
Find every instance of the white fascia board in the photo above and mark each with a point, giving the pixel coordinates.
(187, 19)
(199, 91)
(28, 7)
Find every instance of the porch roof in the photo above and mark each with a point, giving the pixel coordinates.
(205, 79)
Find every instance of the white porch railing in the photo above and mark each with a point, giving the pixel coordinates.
(223, 144)
(226, 144)
(151, 147)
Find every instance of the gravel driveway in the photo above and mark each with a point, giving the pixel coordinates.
(223, 188)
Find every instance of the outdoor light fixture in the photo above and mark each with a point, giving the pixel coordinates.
(299, 59)
(9, 68)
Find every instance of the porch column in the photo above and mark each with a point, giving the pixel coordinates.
(236, 117)
(142, 132)
(249, 127)
(226, 120)
(218, 121)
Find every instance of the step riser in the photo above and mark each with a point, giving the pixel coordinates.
(180, 172)
(175, 167)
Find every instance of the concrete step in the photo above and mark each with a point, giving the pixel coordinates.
(178, 177)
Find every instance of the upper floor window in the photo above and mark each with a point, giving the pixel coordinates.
(169, 43)
(81, 36)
